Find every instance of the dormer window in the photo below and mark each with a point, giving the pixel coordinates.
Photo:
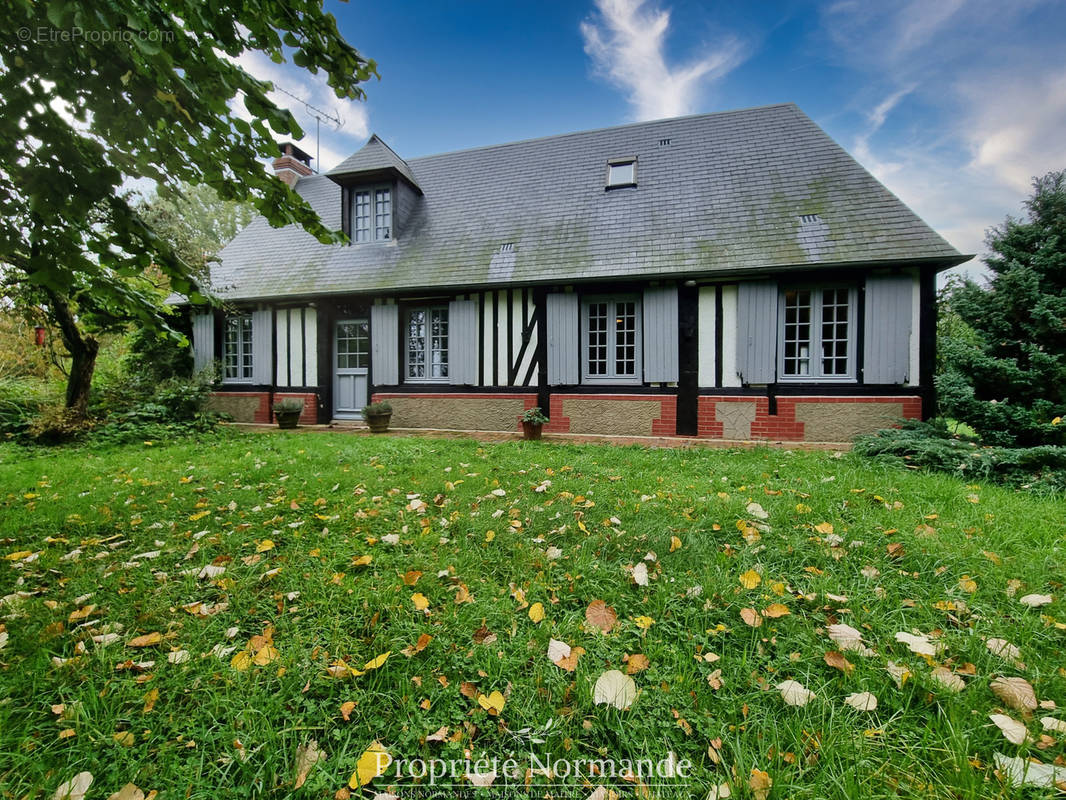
(621, 172)
(372, 214)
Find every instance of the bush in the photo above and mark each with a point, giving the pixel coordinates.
(930, 445)
(21, 399)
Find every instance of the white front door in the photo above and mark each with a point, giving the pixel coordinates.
(351, 358)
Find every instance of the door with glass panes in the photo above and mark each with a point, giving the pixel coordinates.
(351, 348)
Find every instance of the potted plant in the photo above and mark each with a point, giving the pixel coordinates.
(532, 421)
(377, 416)
(287, 411)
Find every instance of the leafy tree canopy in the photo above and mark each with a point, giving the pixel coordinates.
(96, 95)
(1005, 368)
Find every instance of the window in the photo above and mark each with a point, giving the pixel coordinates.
(372, 215)
(427, 344)
(237, 349)
(621, 172)
(611, 343)
(353, 345)
(817, 333)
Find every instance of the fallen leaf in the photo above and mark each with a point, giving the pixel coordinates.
(347, 708)
(150, 699)
(714, 680)
(557, 650)
(130, 791)
(600, 615)
(1023, 772)
(640, 574)
(848, 638)
(1052, 724)
(493, 703)
(795, 693)
(644, 622)
(615, 689)
(1036, 600)
(675, 544)
(373, 762)
(1016, 693)
(264, 546)
(899, 673)
(1003, 649)
(750, 579)
(760, 783)
(75, 788)
(307, 755)
(125, 738)
(423, 642)
(638, 662)
(862, 701)
(751, 617)
(919, 644)
(410, 578)
(757, 511)
(147, 640)
(838, 661)
(776, 610)
(948, 679)
(536, 612)
(420, 601)
(1013, 730)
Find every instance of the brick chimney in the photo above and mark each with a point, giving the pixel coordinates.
(292, 164)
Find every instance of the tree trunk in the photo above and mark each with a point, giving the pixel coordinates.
(82, 348)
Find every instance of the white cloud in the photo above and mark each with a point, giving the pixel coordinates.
(627, 43)
(992, 108)
(337, 143)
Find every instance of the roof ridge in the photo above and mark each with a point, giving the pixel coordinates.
(602, 129)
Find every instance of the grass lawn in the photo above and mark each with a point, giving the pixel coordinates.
(260, 573)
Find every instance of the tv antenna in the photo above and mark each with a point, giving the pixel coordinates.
(318, 114)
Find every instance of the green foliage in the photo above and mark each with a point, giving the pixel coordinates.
(154, 357)
(930, 445)
(195, 221)
(1002, 349)
(161, 97)
(535, 415)
(21, 399)
(289, 405)
(374, 409)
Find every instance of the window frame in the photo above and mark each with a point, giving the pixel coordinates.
(621, 162)
(612, 377)
(816, 374)
(427, 349)
(371, 193)
(245, 354)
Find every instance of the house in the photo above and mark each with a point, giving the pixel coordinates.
(733, 275)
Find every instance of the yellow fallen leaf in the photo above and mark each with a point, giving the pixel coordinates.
(362, 561)
(493, 703)
(775, 610)
(146, 641)
(751, 617)
(536, 612)
(824, 528)
(346, 709)
(967, 584)
(675, 543)
(644, 622)
(150, 699)
(265, 655)
(18, 555)
(376, 662)
(420, 601)
(263, 546)
(750, 579)
(125, 738)
(373, 762)
(241, 661)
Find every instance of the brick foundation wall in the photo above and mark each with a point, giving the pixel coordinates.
(613, 414)
(309, 415)
(802, 419)
(463, 411)
(242, 406)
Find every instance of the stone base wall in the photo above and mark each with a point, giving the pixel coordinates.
(613, 414)
(309, 415)
(463, 412)
(802, 419)
(242, 406)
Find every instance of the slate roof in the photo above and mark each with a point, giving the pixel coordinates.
(730, 192)
(374, 156)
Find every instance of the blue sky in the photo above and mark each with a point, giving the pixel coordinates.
(953, 104)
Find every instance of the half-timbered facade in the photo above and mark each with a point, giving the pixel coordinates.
(734, 275)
